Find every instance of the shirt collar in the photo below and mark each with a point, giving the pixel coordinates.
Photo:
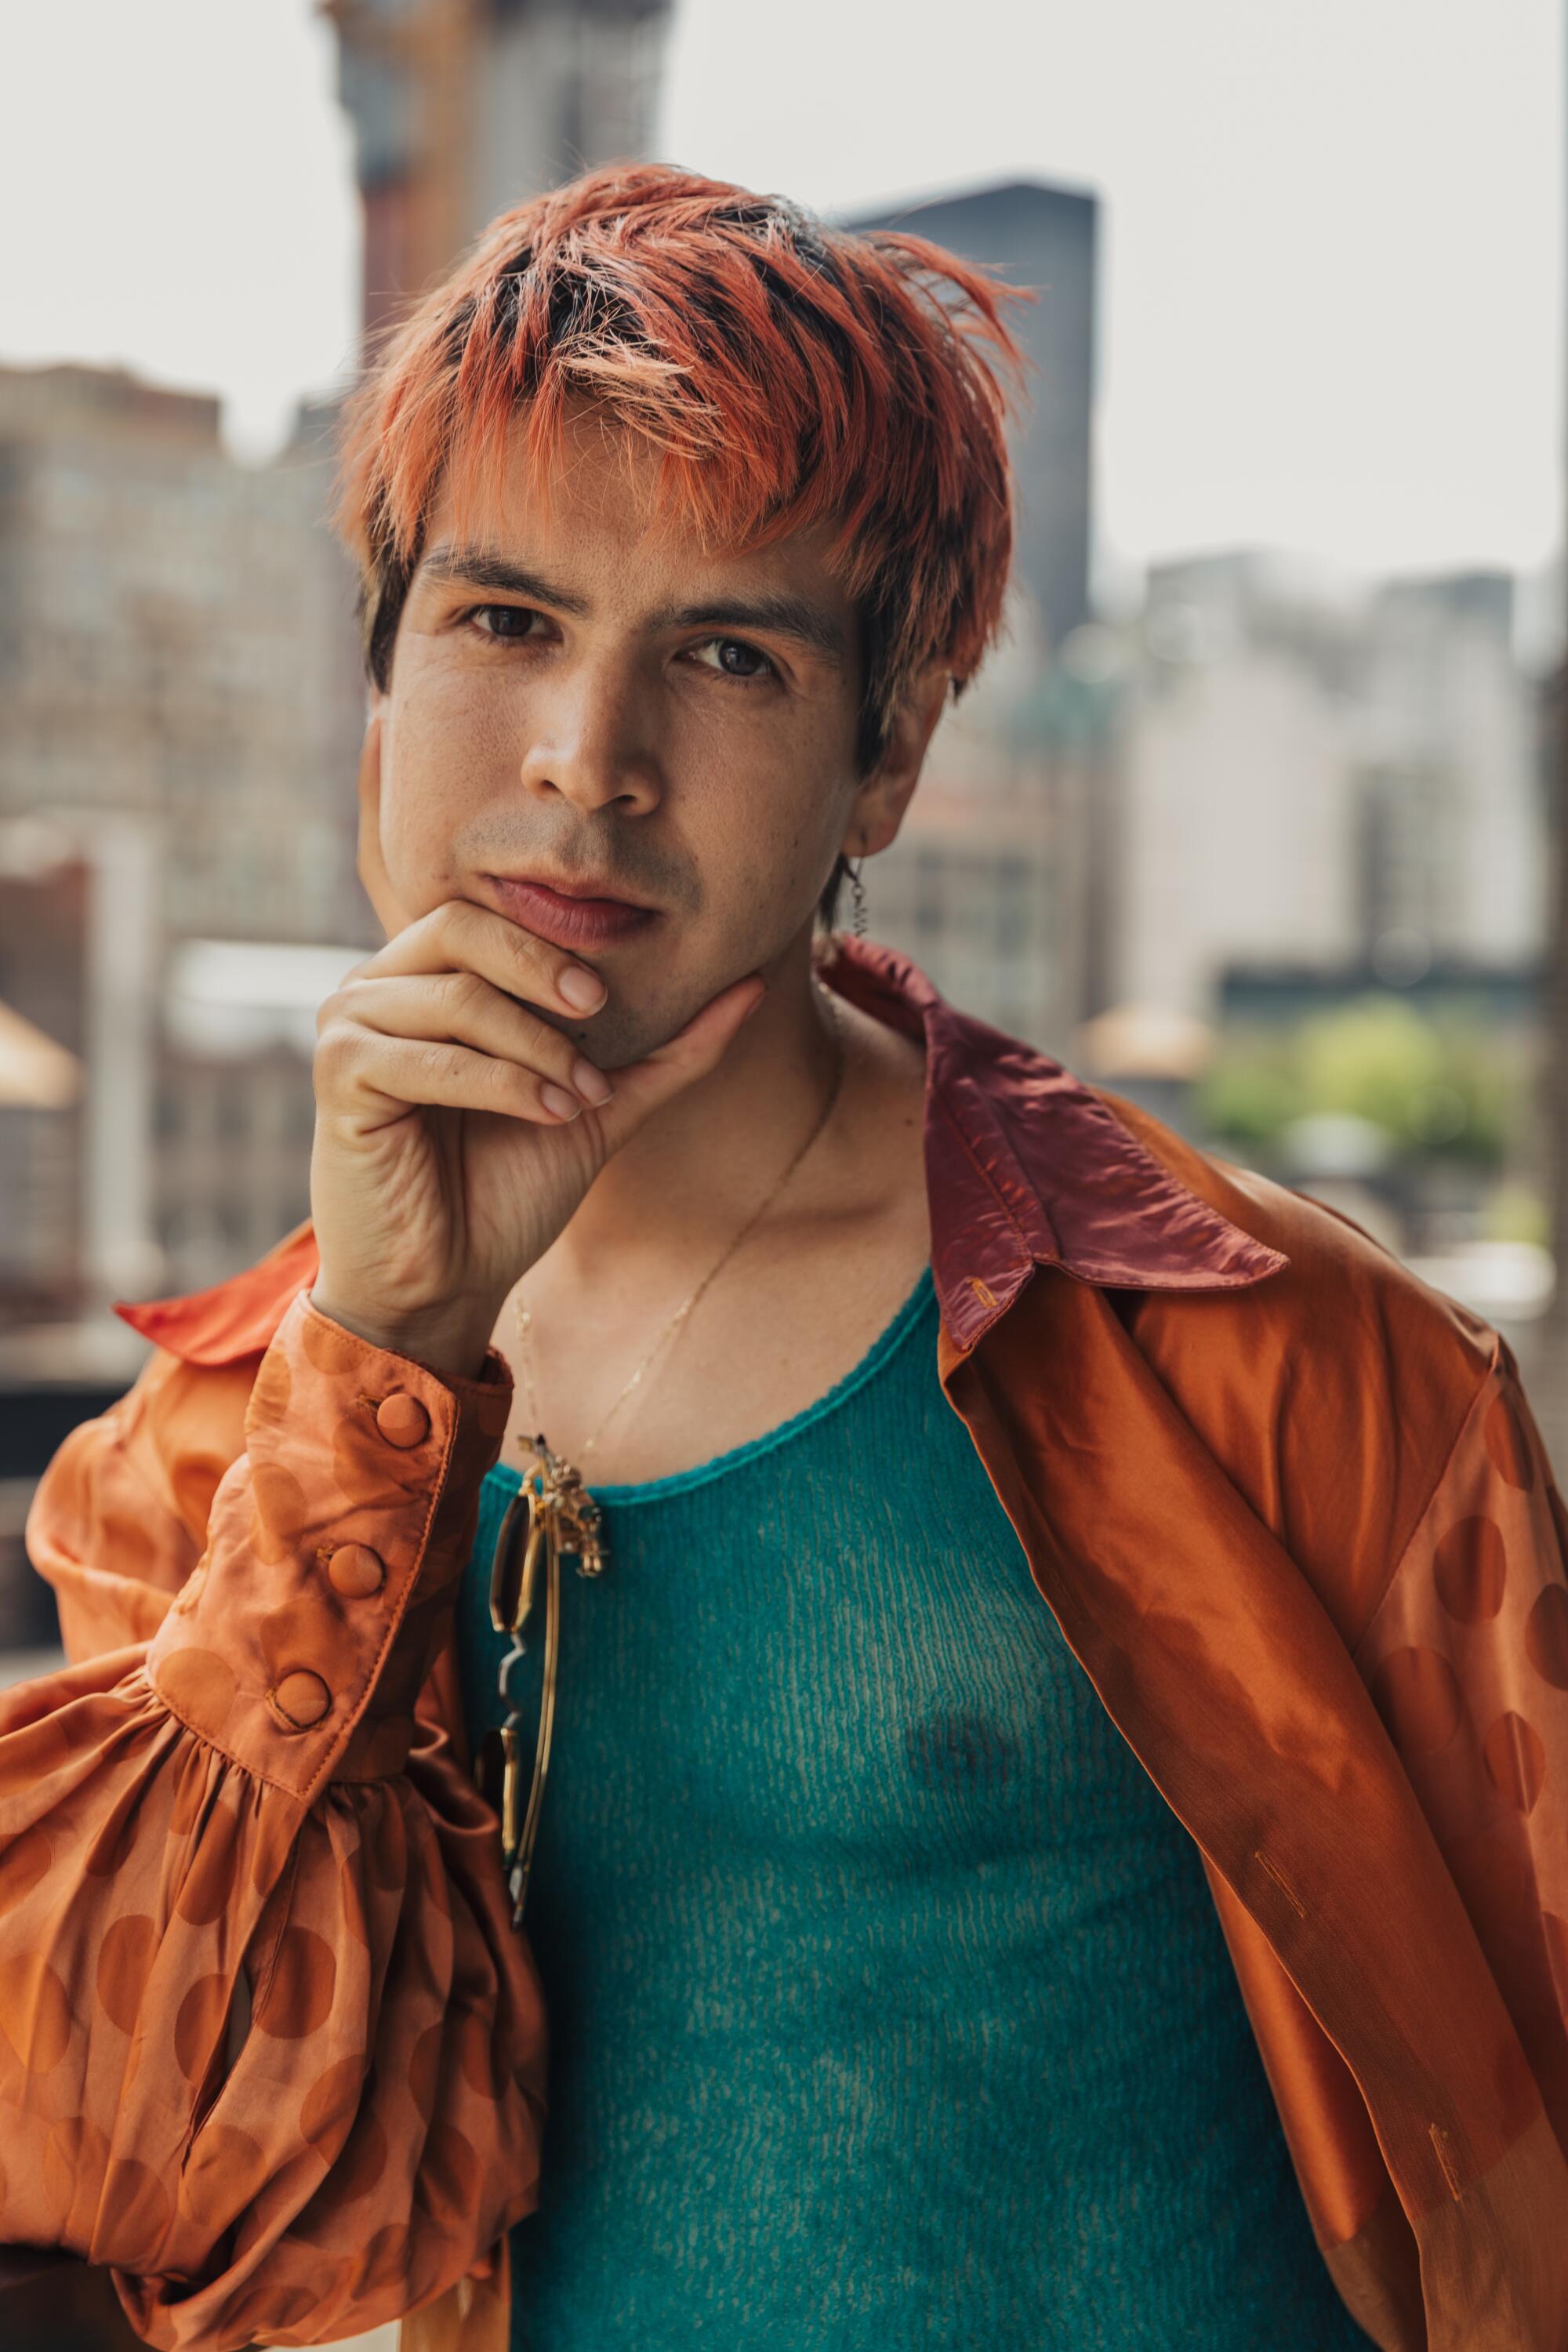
(1025, 1166)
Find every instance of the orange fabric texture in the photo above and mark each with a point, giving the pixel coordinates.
(272, 2051)
(271, 2047)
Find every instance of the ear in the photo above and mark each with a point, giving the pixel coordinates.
(878, 809)
(372, 867)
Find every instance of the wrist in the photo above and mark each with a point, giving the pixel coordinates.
(453, 1348)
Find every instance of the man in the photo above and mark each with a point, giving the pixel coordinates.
(1179, 1961)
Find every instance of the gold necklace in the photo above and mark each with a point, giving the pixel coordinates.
(524, 1316)
(559, 1515)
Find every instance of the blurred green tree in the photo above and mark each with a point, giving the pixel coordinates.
(1433, 1086)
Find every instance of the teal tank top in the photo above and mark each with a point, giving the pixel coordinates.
(889, 2005)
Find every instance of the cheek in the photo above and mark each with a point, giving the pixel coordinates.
(763, 835)
(444, 750)
(442, 717)
(772, 784)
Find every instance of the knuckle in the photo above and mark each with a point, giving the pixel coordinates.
(465, 991)
(458, 925)
(332, 1043)
(436, 1059)
(537, 1037)
(529, 954)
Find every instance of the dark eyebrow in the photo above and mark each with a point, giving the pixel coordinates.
(776, 613)
(470, 563)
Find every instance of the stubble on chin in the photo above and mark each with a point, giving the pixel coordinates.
(619, 1035)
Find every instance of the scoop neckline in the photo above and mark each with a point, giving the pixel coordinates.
(629, 1493)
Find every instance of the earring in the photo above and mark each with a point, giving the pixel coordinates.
(858, 891)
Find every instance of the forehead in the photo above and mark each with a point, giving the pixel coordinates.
(595, 509)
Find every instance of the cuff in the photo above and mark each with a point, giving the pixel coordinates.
(335, 1543)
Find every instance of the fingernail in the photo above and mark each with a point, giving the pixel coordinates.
(584, 988)
(591, 1082)
(557, 1099)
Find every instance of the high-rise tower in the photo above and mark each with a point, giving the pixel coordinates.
(463, 107)
(1045, 237)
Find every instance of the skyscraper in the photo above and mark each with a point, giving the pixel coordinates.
(1046, 238)
(462, 108)
(996, 882)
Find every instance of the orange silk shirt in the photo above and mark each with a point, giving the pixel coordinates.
(269, 2047)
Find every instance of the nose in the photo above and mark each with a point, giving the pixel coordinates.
(587, 742)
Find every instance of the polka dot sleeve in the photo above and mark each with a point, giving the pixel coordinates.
(269, 2047)
(1467, 1660)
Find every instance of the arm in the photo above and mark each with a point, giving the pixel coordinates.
(1467, 1659)
(118, 1519)
(270, 2047)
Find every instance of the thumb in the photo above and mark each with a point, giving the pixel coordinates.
(691, 1054)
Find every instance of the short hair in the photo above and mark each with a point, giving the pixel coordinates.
(787, 374)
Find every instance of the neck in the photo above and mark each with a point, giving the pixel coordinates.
(692, 1174)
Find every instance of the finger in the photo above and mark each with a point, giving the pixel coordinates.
(458, 936)
(642, 1087)
(368, 1080)
(465, 1009)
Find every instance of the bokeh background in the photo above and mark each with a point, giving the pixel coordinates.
(1254, 818)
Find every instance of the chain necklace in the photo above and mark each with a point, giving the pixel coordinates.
(555, 1513)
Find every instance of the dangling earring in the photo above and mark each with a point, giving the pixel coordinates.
(858, 891)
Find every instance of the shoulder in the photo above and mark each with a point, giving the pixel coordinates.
(1334, 1390)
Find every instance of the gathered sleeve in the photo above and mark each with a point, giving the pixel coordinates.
(270, 2048)
(1467, 1659)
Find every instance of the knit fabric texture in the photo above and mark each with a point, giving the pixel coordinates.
(888, 2003)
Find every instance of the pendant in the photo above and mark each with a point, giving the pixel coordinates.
(576, 1518)
(551, 1513)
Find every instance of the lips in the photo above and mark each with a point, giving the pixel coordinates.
(567, 918)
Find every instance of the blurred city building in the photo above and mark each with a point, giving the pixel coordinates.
(42, 930)
(179, 723)
(1323, 772)
(1045, 239)
(1333, 823)
(464, 108)
(1001, 882)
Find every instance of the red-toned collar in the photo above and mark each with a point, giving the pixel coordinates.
(1025, 1166)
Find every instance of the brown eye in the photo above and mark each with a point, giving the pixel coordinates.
(509, 620)
(737, 660)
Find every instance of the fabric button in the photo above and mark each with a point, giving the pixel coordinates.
(402, 1418)
(303, 1697)
(356, 1570)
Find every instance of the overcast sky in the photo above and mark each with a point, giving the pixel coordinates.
(1332, 229)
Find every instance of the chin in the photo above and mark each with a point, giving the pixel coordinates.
(643, 1013)
(618, 1036)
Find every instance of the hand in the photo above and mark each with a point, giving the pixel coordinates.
(441, 1168)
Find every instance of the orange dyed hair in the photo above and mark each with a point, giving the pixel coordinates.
(786, 373)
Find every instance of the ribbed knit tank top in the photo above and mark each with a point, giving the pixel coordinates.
(888, 2003)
